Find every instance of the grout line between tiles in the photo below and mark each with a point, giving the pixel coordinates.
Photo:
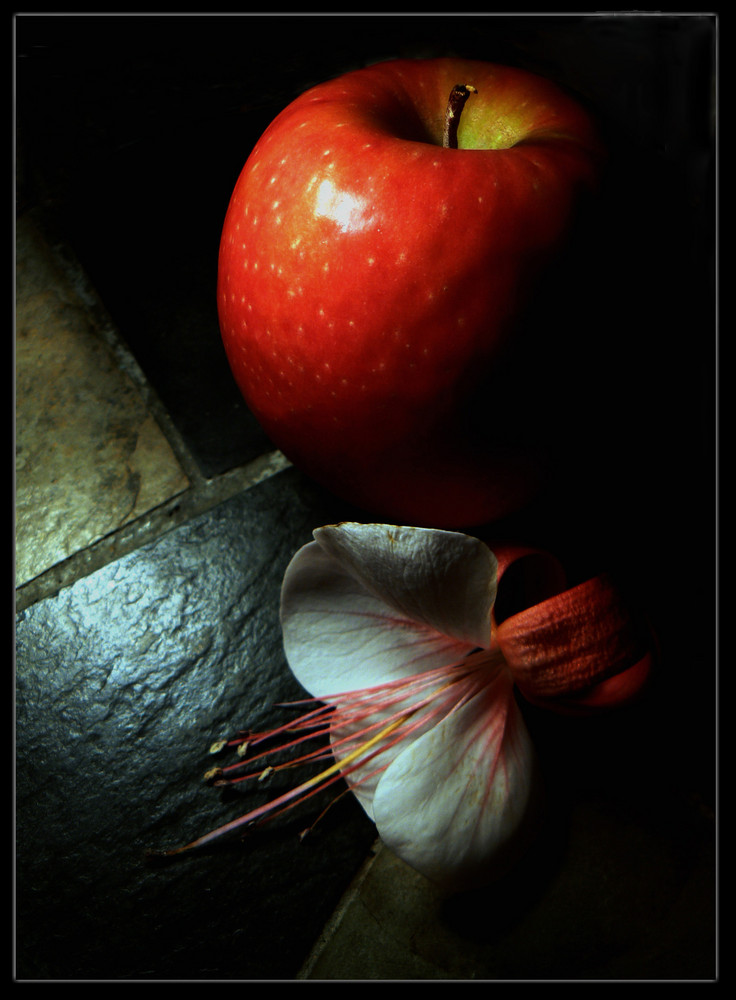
(338, 915)
(105, 326)
(202, 494)
(199, 498)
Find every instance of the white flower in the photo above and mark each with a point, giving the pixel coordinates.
(406, 613)
(392, 631)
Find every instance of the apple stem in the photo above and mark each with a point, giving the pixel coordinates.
(455, 104)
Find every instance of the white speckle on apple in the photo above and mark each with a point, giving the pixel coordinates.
(371, 261)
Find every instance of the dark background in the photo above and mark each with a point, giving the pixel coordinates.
(131, 132)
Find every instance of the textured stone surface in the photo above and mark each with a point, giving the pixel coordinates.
(123, 682)
(622, 897)
(89, 455)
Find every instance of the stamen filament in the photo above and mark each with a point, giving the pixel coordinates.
(333, 772)
(351, 710)
(365, 697)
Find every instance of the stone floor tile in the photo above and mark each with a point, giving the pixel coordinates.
(124, 680)
(89, 455)
(621, 900)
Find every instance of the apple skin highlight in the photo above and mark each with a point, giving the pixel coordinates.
(369, 278)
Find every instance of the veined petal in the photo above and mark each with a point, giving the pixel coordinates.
(613, 692)
(404, 711)
(359, 609)
(442, 579)
(454, 799)
(570, 644)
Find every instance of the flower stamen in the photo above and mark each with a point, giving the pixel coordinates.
(299, 793)
(356, 736)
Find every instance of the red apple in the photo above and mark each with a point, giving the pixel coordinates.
(369, 275)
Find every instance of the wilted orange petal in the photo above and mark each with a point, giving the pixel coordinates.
(573, 642)
(615, 692)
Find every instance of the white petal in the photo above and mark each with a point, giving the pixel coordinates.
(443, 579)
(340, 637)
(451, 803)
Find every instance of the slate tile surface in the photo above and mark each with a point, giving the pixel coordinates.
(628, 898)
(123, 682)
(90, 456)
